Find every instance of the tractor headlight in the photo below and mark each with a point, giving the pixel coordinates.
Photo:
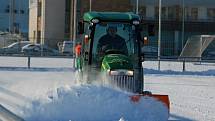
(130, 73)
(121, 72)
(95, 21)
(136, 22)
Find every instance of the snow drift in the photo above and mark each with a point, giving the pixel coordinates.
(94, 103)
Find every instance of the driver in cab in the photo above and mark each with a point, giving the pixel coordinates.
(111, 41)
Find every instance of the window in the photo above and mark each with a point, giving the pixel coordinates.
(39, 9)
(164, 13)
(22, 11)
(178, 12)
(123, 34)
(7, 10)
(211, 13)
(170, 12)
(156, 12)
(38, 36)
(194, 13)
(16, 27)
(15, 11)
(142, 11)
(67, 16)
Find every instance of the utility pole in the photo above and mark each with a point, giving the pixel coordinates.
(74, 19)
(159, 35)
(43, 18)
(11, 16)
(90, 5)
(137, 6)
(183, 19)
(74, 23)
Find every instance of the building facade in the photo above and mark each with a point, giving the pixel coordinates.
(14, 16)
(48, 21)
(180, 19)
(52, 21)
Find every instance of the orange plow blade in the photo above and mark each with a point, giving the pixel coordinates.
(162, 98)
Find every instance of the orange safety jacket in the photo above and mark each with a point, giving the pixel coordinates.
(78, 49)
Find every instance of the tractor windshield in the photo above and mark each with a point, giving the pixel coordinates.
(114, 38)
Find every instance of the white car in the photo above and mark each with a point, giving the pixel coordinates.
(37, 49)
(66, 47)
(14, 48)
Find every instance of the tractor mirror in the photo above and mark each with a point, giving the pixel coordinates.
(80, 27)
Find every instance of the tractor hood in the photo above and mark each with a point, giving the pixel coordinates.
(116, 61)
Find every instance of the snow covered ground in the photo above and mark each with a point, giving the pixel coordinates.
(191, 93)
(47, 92)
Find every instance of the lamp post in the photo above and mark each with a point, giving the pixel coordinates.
(159, 35)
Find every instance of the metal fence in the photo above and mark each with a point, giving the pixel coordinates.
(180, 66)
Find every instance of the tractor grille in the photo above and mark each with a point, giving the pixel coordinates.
(123, 82)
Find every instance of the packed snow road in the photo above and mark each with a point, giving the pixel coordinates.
(47, 86)
(192, 97)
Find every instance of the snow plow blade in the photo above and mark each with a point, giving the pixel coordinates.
(162, 98)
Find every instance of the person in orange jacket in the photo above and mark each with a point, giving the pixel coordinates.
(78, 54)
(78, 49)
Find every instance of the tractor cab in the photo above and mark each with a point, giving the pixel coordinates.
(111, 46)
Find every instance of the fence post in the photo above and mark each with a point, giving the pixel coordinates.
(29, 62)
(159, 64)
(183, 65)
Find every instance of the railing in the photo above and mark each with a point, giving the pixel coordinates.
(184, 64)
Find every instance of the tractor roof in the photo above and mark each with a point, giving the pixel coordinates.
(110, 16)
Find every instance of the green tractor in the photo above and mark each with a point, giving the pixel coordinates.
(111, 52)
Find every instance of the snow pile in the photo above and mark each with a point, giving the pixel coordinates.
(95, 103)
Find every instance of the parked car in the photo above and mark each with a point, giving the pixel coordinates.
(209, 54)
(37, 50)
(66, 47)
(14, 48)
